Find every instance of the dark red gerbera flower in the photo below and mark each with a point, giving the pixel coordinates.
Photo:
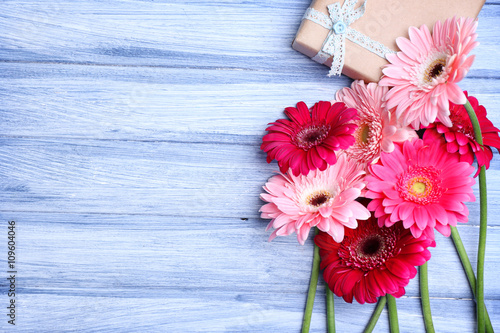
(460, 136)
(308, 140)
(371, 261)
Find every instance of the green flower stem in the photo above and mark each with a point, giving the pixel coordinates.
(313, 284)
(464, 258)
(482, 227)
(330, 310)
(426, 303)
(376, 314)
(393, 313)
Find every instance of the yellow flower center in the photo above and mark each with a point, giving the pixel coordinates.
(363, 134)
(421, 185)
(418, 187)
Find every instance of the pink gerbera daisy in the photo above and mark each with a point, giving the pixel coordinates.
(371, 261)
(424, 75)
(377, 127)
(325, 199)
(309, 140)
(460, 136)
(423, 186)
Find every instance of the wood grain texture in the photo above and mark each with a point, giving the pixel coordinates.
(158, 277)
(129, 157)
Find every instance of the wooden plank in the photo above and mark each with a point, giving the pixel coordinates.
(245, 312)
(228, 312)
(254, 35)
(133, 272)
(139, 256)
(161, 104)
(109, 103)
(142, 177)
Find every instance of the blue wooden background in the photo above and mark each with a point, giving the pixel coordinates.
(130, 161)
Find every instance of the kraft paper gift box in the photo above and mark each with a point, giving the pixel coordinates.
(383, 21)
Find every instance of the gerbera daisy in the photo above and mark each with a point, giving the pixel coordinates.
(424, 75)
(423, 186)
(325, 199)
(377, 127)
(460, 136)
(371, 261)
(309, 140)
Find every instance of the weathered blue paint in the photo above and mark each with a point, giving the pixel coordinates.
(129, 158)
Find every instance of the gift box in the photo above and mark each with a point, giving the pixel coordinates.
(375, 24)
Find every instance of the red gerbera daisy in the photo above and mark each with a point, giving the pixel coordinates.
(460, 136)
(371, 261)
(309, 140)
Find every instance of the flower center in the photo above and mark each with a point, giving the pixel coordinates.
(363, 133)
(311, 136)
(418, 188)
(434, 70)
(369, 246)
(318, 199)
(368, 135)
(421, 185)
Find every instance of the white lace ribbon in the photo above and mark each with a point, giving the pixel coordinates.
(338, 24)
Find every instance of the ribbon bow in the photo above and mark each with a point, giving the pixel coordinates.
(338, 24)
(342, 18)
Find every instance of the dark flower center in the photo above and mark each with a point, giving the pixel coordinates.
(311, 136)
(318, 199)
(434, 70)
(371, 246)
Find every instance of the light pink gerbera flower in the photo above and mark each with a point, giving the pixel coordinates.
(325, 199)
(371, 261)
(377, 128)
(460, 137)
(309, 140)
(424, 75)
(423, 186)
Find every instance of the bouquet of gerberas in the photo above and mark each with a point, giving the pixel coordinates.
(381, 167)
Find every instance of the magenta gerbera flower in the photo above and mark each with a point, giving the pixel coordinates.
(371, 261)
(309, 140)
(423, 186)
(377, 129)
(325, 199)
(460, 136)
(424, 75)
